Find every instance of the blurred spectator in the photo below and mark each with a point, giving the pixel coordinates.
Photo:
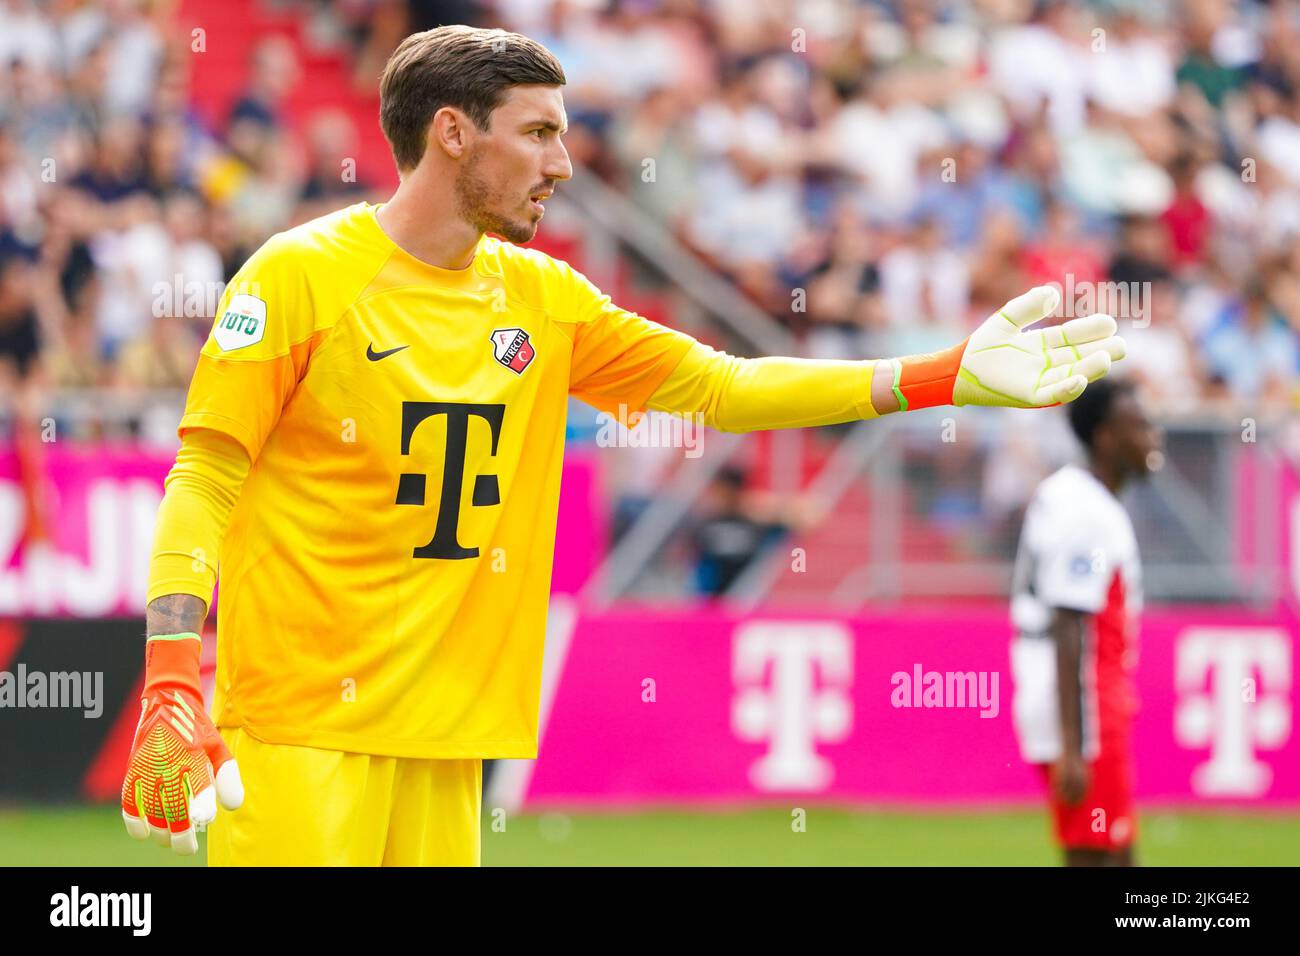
(1187, 219)
(131, 255)
(1252, 350)
(1161, 354)
(332, 179)
(164, 157)
(274, 72)
(1201, 69)
(18, 333)
(164, 358)
(1135, 76)
(997, 272)
(116, 168)
(1141, 251)
(924, 284)
(1044, 60)
(134, 58)
(980, 187)
(845, 309)
(729, 534)
(1063, 252)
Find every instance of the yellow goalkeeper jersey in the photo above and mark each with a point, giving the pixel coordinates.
(385, 575)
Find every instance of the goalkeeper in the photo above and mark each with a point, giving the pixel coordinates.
(370, 462)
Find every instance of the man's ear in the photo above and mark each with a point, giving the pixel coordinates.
(448, 132)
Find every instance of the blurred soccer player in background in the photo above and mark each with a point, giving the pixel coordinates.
(1076, 598)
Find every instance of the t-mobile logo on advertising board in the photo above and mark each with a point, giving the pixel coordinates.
(792, 691)
(1233, 686)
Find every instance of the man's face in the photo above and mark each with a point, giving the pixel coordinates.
(1135, 441)
(510, 168)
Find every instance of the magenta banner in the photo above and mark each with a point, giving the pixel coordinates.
(648, 705)
(101, 502)
(700, 707)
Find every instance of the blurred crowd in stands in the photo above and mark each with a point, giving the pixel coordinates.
(907, 167)
(878, 176)
(122, 211)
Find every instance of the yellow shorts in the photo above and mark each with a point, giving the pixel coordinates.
(309, 807)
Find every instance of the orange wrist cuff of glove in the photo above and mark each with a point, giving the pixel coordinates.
(924, 381)
(171, 662)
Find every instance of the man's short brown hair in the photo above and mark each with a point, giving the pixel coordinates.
(465, 67)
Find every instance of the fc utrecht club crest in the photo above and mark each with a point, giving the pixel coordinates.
(512, 349)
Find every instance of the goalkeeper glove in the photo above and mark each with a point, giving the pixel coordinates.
(1001, 363)
(168, 790)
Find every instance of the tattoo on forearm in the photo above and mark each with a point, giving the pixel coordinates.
(175, 614)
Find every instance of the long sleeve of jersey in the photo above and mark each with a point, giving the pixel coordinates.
(742, 394)
(200, 493)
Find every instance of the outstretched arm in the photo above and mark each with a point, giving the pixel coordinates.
(1001, 363)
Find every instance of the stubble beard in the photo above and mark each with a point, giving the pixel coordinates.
(474, 203)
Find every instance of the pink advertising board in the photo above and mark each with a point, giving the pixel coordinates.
(700, 707)
(693, 705)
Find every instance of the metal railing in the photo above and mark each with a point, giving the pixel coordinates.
(97, 413)
(609, 220)
(903, 525)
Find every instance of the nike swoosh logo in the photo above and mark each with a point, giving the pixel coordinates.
(376, 356)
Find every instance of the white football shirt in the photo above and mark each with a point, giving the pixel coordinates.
(1078, 551)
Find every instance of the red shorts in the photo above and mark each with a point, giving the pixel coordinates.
(1104, 818)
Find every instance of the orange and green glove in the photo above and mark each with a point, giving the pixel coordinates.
(169, 789)
(1001, 363)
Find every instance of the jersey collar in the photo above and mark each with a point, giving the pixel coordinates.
(470, 279)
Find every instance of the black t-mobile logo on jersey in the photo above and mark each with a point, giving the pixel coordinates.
(410, 487)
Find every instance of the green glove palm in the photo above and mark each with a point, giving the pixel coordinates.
(1005, 364)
